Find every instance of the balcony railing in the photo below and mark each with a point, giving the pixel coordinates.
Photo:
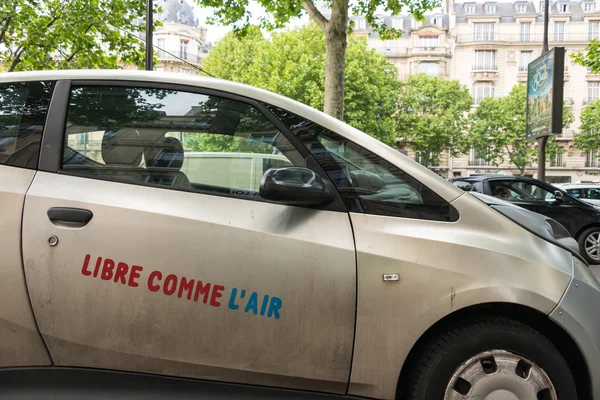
(479, 163)
(484, 67)
(591, 163)
(518, 37)
(193, 58)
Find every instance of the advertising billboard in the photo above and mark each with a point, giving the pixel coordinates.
(545, 80)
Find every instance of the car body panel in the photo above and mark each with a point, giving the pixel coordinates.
(20, 341)
(303, 257)
(577, 313)
(477, 268)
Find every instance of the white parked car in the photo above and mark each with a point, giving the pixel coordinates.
(588, 192)
(296, 253)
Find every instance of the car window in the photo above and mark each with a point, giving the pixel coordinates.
(591, 193)
(366, 182)
(576, 193)
(466, 186)
(23, 108)
(174, 139)
(520, 190)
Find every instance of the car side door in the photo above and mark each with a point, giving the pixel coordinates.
(148, 248)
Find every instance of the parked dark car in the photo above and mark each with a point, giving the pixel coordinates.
(581, 219)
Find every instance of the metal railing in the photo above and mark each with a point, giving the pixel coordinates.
(194, 58)
(479, 163)
(518, 37)
(484, 67)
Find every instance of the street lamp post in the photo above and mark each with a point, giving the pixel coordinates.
(149, 24)
(542, 141)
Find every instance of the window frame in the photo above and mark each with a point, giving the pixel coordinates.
(53, 136)
(590, 4)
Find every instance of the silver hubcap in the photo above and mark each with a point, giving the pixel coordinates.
(499, 375)
(592, 245)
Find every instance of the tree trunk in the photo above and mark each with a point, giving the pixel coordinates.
(336, 39)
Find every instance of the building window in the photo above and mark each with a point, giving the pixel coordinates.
(481, 90)
(360, 24)
(477, 157)
(521, 8)
(588, 7)
(429, 41)
(470, 8)
(484, 60)
(490, 8)
(524, 60)
(483, 32)
(559, 31)
(414, 24)
(436, 21)
(397, 23)
(184, 70)
(563, 8)
(557, 161)
(593, 91)
(183, 46)
(542, 6)
(594, 30)
(591, 159)
(526, 32)
(160, 43)
(429, 68)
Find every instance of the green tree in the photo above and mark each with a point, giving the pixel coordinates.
(61, 34)
(335, 27)
(432, 116)
(497, 129)
(589, 136)
(291, 63)
(590, 57)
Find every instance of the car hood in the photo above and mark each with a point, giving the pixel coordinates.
(538, 224)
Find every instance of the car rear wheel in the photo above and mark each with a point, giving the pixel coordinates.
(492, 358)
(589, 245)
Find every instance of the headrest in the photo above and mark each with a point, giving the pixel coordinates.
(122, 147)
(168, 154)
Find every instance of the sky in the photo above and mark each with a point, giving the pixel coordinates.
(215, 32)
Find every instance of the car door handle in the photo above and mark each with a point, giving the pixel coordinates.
(69, 217)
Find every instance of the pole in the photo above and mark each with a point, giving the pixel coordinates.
(542, 157)
(546, 21)
(541, 175)
(149, 24)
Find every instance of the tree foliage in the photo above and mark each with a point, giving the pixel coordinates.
(291, 63)
(590, 57)
(335, 26)
(432, 116)
(589, 136)
(498, 130)
(63, 34)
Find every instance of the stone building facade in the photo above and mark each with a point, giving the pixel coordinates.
(487, 46)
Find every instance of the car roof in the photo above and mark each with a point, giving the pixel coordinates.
(442, 187)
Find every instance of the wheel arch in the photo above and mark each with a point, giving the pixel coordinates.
(585, 228)
(526, 315)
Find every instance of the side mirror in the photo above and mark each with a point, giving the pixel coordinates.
(558, 196)
(296, 186)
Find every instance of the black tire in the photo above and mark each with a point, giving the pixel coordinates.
(581, 241)
(444, 354)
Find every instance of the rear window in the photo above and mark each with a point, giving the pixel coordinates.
(23, 108)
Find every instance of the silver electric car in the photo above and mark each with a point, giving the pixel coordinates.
(179, 226)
